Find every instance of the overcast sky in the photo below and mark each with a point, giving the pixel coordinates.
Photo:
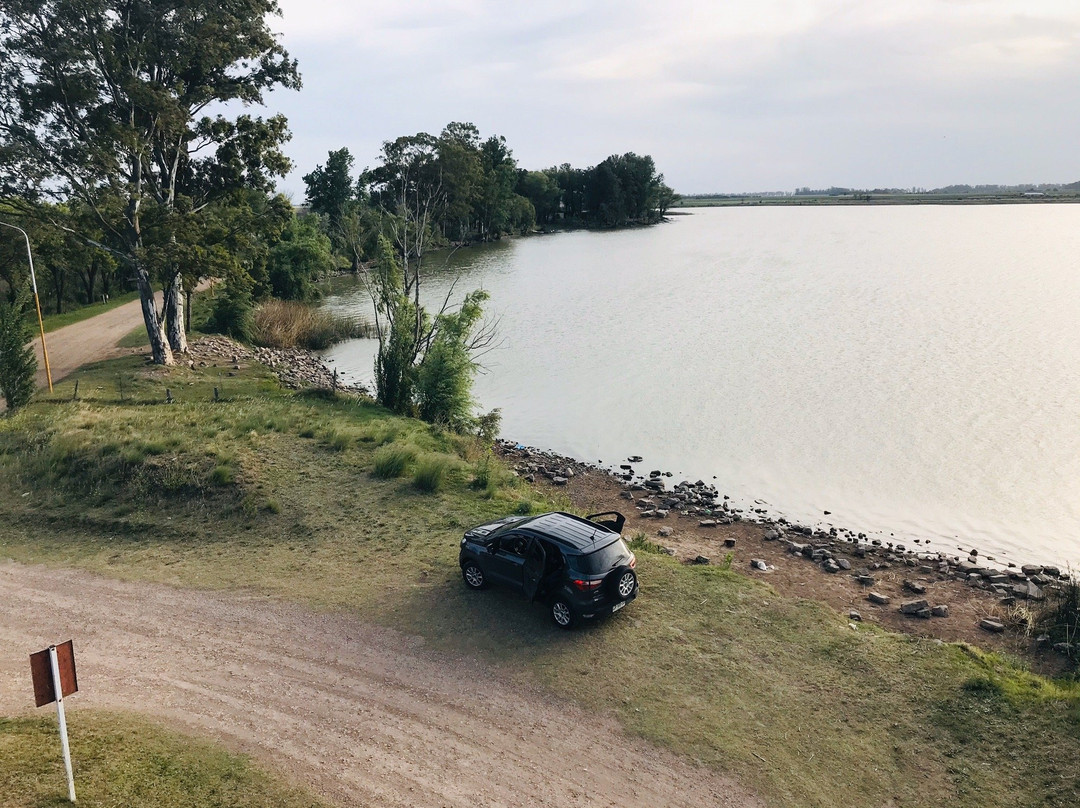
(726, 95)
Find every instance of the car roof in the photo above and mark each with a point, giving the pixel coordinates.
(570, 531)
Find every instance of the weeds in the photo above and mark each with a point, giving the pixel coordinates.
(393, 460)
(1059, 618)
(431, 473)
(290, 324)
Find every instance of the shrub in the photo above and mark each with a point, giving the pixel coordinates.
(222, 475)
(290, 324)
(393, 460)
(18, 365)
(1059, 617)
(431, 472)
(336, 441)
(232, 312)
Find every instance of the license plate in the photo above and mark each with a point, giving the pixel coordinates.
(618, 606)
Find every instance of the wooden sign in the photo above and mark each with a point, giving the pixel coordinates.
(41, 670)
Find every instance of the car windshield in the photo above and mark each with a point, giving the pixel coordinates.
(602, 560)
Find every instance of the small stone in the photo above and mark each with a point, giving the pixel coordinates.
(771, 535)
(729, 542)
(914, 607)
(707, 523)
(843, 563)
(664, 531)
(854, 615)
(759, 564)
(878, 598)
(865, 580)
(915, 587)
(559, 480)
(989, 624)
(830, 566)
(701, 559)
(940, 611)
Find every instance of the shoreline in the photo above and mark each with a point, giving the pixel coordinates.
(733, 511)
(918, 590)
(755, 508)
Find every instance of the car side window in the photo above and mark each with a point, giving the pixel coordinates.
(514, 544)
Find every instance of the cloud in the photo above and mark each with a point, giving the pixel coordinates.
(772, 93)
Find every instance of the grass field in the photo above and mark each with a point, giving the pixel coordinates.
(278, 492)
(122, 760)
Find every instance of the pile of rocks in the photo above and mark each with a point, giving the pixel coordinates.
(532, 463)
(295, 368)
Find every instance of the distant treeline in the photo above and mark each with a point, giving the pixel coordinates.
(460, 187)
(948, 190)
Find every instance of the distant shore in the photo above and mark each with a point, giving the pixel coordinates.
(800, 200)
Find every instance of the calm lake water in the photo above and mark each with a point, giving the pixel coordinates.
(913, 370)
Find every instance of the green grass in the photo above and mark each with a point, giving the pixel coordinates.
(122, 760)
(716, 666)
(77, 315)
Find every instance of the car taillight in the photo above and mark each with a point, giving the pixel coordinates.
(633, 561)
(587, 586)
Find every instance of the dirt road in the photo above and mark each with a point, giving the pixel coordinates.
(362, 716)
(90, 340)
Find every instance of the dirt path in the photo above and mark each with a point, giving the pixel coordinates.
(363, 716)
(90, 340)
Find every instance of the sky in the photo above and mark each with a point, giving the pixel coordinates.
(726, 95)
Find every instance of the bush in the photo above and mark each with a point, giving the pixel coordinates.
(289, 324)
(232, 312)
(298, 260)
(431, 473)
(1059, 617)
(18, 365)
(393, 460)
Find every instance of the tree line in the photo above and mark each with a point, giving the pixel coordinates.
(127, 153)
(468, 188)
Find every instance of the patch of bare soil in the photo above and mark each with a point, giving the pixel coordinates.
(360, 715)
(793, 575)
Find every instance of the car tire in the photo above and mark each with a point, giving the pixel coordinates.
(474, 576)
(563, 614)
(621, 583)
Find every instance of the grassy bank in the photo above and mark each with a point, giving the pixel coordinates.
(122, 760)
(327, 501)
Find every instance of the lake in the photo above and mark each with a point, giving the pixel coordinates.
(913, 370)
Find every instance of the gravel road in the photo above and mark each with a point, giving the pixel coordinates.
(90, 340)
(360, 715)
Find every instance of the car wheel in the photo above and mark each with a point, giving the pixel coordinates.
(473, 575)
(563, 613)
(622, 583)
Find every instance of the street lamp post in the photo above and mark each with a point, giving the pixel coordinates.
(37, 302)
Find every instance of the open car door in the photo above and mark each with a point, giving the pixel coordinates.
(613, 520)
(535, 559)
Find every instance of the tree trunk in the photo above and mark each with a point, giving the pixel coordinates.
(174, 315)
(155, 331)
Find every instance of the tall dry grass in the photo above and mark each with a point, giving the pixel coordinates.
(291, 324)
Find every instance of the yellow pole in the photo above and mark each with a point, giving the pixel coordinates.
(37, 302)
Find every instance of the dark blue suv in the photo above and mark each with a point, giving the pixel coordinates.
(581, 568)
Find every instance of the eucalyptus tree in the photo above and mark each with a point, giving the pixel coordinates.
(105, 102)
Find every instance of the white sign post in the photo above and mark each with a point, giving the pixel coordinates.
(63, 721)
(53, 672)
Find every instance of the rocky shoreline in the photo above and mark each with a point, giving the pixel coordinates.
(295, 368)
(1004, 590)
